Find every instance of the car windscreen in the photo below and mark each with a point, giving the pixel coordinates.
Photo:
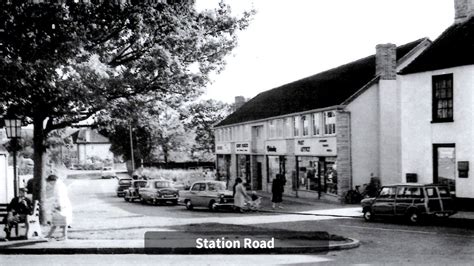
(216, 186)
(125, 182)
(162, 184)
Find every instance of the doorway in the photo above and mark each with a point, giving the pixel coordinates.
(444, 166)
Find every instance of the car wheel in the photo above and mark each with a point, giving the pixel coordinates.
(189, 205)
(213, 205)
(126, 198)
(414, 217)
(368, 215)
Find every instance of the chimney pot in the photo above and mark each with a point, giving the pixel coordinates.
(239, 101)
(386, 61)
(463, 10)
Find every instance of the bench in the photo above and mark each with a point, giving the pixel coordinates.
(32, 221)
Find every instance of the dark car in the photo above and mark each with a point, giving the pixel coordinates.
(159, 191)
(123, 185)
(133, 192)
(411, 201)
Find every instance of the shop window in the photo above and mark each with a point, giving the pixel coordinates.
(276, 165)
(442, 98)
(305, 125)
(317, 124)
(329, 123)
(296, 126)
(243, 167)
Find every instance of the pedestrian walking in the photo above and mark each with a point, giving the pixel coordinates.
(240, 195)
(60, 210)
(277, 191)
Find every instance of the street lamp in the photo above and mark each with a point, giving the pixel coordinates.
(13, 130)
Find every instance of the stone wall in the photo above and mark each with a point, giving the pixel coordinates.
(344, 172)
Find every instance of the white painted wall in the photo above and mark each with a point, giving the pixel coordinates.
(6, 179)
(418, 133)
(364, 136)
(99, 150)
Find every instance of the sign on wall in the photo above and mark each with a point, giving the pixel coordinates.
(223, 148)
(316, 147)
(275, 147)
(242, 147)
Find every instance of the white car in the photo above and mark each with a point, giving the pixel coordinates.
(108, 174)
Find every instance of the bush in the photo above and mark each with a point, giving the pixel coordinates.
(179, 176)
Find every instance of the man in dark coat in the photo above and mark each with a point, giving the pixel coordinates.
(17, 211)
(277, 190)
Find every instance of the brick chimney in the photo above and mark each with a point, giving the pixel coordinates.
(239, 101)
(386, 61)
(463, 10)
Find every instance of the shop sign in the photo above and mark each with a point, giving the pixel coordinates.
(275, 147)
(223, 148)
(316, 146)
(242, 147)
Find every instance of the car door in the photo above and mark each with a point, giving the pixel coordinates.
(384, 204)
(447, 202)
(194, 193)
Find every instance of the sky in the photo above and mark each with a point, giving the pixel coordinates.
(290, 40)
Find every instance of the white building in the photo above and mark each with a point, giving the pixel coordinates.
(437, 109)
(326, 133)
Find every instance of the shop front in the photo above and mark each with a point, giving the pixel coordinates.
(242, 151)
(316, 166)
(223, 162)
(276, 160)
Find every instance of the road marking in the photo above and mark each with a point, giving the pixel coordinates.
(388, 229)
(408, 231)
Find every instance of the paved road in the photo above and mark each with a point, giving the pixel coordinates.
(99, 214)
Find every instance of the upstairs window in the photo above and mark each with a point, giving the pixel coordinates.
(443, 98)
(305, 125)
(296, 126)
(329, 123)
(317, 124)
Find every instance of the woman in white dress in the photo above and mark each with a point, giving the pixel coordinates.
(240, 195)
(60, 210)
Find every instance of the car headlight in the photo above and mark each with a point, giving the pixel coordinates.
(222, 196)
(158, 194)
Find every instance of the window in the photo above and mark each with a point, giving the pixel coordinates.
(443, 98)
(271, 129)
(317, 124)
(279, 128)
(296, 126)
(409, 192)
(431, 192)
(305, 125)
(287, 127)
(387, 192)
(329, 123)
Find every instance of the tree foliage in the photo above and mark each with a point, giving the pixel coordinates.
(62, 63)
(201, 117)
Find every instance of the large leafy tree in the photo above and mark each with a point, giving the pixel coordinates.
(201, 117)
(62, 63)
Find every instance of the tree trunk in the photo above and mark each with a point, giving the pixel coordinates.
(39, 163)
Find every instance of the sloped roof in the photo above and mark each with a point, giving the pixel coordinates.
(455, 47)
(88, 136)
(328, 88)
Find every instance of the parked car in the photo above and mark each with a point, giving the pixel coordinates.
(159, 191)
(411, 201)
(133, 192)
(108, 174)
(123, 185)
(210, 194)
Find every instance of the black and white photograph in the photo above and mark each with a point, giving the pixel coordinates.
(236, 132)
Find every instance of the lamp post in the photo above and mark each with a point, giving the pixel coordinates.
(13, 130)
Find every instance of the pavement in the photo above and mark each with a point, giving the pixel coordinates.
(294, 209)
